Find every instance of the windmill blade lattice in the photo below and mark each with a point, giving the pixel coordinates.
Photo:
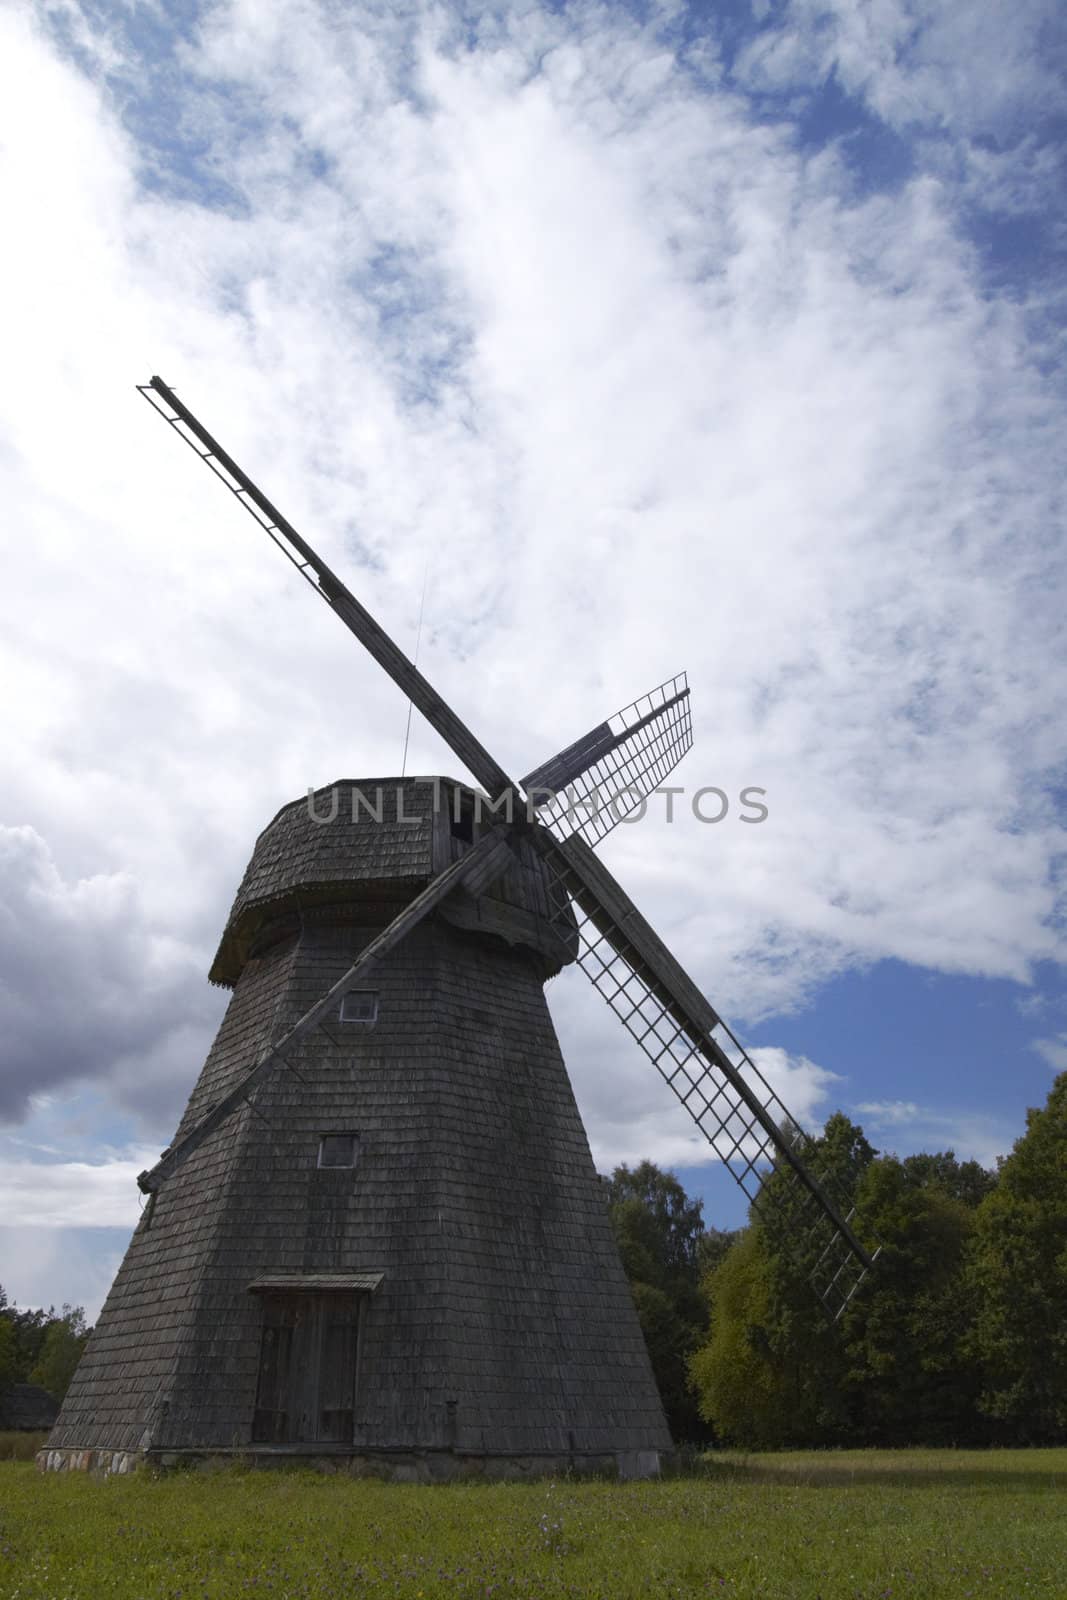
(705, 1065)
(602, 778)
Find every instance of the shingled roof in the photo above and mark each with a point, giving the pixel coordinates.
(27, 1406)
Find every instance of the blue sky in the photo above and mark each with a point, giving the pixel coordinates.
(726, 338)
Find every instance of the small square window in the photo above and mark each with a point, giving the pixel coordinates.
(359, 1005)
(338, 1149)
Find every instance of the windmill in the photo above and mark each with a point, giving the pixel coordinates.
(378, 1234)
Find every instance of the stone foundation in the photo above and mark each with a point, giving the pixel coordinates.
(430, 1466)
(101, 1463)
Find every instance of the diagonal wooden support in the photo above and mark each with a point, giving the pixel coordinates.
(481, 865)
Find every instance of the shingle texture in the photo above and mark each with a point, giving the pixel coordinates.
(26, 1405)
(378, 840)
(503, 1322)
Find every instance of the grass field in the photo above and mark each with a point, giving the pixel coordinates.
(925, 1525)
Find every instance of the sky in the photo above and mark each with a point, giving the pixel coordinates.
(642, 338)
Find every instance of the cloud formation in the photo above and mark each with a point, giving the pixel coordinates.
(1054, 1051)
(900, 1126)
(89, 989)
(71, 1194)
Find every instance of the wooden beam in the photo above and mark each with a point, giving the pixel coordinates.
(589, 749)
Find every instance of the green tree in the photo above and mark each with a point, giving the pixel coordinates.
(965, 1181)
(64, 1341)
(907, 1375)
(1020, 1277)
(659, 1231)
(773, 1369)
(8, 1363)
(27, 1335)
(672, 1224)
(807, 1349)
(739, 1390)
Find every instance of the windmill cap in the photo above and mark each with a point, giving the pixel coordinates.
(363, 844)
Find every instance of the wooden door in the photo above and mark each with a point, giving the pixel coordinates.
(337, 1369)
(307, 1369)
(272, 1418)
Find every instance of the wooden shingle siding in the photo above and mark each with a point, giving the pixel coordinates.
(501, 1322)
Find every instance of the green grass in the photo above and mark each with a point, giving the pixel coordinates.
(926, 1525)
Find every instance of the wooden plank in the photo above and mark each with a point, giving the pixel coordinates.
(484, 861)
(337, 1372)
(271, 1420)
(589, 749)
(556, 773)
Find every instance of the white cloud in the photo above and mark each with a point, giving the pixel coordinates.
(976, 89)
(975, 67)
(73, 1194)
(890, 1113)
(53, 1265)
(1054, 1051)
(974, 1136)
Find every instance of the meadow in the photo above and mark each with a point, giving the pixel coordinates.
(866, 1525)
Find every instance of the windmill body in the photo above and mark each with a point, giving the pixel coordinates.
(378, 1233)
(401, 1253)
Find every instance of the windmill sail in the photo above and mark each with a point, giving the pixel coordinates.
(703, 1062)
(601, 779)
(329, 587)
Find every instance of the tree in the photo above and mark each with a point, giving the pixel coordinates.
(39, 1347)
(773, 1369)
(893, 1370)
(712, 1248)
(907, 1375)
(64, 1341)
(659, 1230)
(1020, 1277)
(671, 1225)
(807, 1349)
(27, 1334)
(739, 1391)
(965, 1181)
(8, 1363)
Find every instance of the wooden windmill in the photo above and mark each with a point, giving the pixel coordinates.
(378, 1234)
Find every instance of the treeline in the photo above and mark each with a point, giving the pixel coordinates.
(40, 1347)
(957, 1337)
